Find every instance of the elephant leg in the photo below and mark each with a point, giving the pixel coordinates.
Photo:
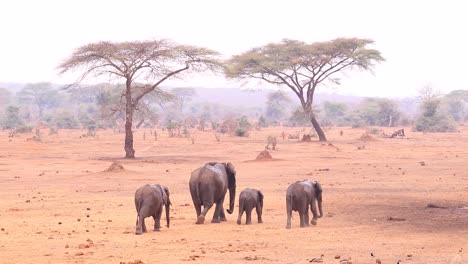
(222, 215)
(313, 208)
(306, 216)
(139, 226)
(259, 213)
(217, 213)
(301, 217)
(143, 225)
(157, 219)
(197, 208)
(248, 215)
(201, 217)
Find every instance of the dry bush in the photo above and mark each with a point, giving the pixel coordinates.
(271, 140)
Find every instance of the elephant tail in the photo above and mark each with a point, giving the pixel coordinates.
(289, 206)
(138, 204)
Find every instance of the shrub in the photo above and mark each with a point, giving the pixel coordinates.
(241, 132)
(433, 119)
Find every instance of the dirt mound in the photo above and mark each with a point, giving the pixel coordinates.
(115, 166)
(264, 155)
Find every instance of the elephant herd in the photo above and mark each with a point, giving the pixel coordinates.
(208, 186)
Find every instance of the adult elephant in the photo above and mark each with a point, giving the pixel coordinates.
(208, 185)
(299, 196)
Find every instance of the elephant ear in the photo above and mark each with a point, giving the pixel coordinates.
(318, 190)
(260, 198)
(231, 173)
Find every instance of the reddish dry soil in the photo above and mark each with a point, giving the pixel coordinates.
(58, 205)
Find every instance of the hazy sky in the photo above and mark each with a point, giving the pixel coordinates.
(424, 42)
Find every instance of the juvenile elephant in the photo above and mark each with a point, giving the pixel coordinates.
(299, 196)
(208, 185)
(149, 201)
(249, 199)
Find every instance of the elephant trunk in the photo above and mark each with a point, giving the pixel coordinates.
(232, 197)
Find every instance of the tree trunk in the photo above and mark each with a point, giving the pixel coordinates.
(316, 126)
(129, 151)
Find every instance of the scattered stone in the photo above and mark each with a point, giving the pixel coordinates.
(395, 219)
(337, 257)
(59, 223)
(378, 261)
(436, 206)
(422, 163)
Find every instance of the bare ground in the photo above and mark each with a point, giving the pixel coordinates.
(59, 205)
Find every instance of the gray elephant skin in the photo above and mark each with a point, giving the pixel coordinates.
(299, 196)
(149, 201)
(208, 185)
(248, 200)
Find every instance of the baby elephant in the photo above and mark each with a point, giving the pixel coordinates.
(149, 201)
(248, 199)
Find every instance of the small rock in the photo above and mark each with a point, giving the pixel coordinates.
(378, 261)
(59, 223)
(337, 256)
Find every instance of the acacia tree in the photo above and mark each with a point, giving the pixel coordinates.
(303, 67)
(43, 95)
(143, 65)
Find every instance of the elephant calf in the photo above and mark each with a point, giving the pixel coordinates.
(248, 199)
(149, 201)
(299, 196)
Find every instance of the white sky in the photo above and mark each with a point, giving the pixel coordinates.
(424, 42)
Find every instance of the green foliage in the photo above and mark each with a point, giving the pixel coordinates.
(244, 123)
(262, 122)
(433, 118)
(333, 113)
(275, 110)
(61, 119)
(456, 103)
(375, 112)
(12, 118)
(24, 129)
(302, 67)
(241, 132)
(42, 95)
(298, 118)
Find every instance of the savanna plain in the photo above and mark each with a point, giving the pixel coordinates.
(400, 199)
